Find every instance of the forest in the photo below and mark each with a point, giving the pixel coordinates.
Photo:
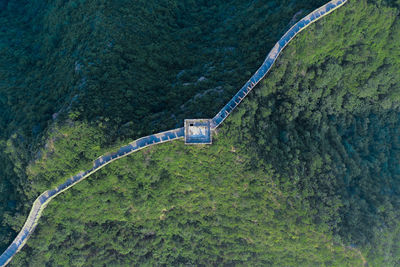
(128, 68)
(305, 172)
(327, 119)
(174, 204)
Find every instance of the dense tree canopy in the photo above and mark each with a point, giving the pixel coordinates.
(173, 204)
(327, 118)
(129, 67)
(305, 172)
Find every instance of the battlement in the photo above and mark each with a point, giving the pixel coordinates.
(198, 131)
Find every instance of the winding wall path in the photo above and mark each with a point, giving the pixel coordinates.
(271, 58)
(43, 200)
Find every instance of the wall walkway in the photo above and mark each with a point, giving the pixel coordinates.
(43, 200)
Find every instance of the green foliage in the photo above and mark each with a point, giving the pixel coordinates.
(304, 173)
(130, 67)
(73, 146)
(327, 119)
(173, 204)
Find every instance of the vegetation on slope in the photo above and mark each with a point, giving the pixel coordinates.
(130, 67)
(173, 204)
(327, 119)
(305, 172)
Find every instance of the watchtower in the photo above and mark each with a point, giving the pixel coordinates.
(198, 131)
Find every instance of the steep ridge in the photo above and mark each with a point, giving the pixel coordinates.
(44, 199)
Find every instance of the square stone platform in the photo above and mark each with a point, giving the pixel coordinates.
(198, 131)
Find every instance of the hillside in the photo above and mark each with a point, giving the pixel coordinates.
(174, 204)
(129, 68)
(305, 172)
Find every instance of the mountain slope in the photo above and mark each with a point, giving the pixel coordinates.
(131, 68)
(305, 172)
